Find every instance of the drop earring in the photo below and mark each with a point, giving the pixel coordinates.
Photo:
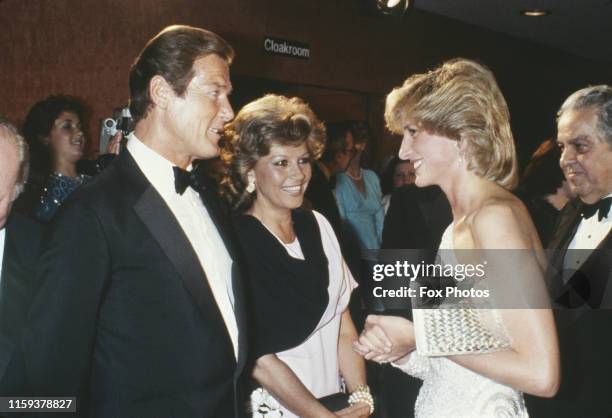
(459, 156)
(250, 183)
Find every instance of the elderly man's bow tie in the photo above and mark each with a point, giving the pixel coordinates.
(184, 179)
(603, 206)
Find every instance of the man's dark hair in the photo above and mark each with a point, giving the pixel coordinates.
(38, 124)
(43, 114)
(171, 54)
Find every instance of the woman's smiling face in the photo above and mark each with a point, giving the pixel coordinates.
(431, 155)
(281, 177)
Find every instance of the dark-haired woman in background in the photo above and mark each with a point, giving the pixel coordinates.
(54, 132)
(397, 173)
(543, 188)
(359, 197)
(300, 283)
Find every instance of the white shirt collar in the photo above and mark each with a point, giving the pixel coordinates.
(157, 169)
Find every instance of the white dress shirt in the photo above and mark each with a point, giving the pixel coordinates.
(590, 233)
(197, 225)
(2, 238)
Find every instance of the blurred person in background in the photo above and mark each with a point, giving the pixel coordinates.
(54, 131)
(20, 239)
(396, 174)
(543, 189)
(335, 159)
(359, 196)
(359, 200)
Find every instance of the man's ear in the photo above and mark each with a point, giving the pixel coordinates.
(160, 92)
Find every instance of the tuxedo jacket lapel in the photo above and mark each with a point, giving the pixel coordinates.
(594, 270)
(566, 227)
(165, 229)
(568, 222)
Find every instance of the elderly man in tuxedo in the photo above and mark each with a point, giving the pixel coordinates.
(580, 278)
(141, 309)
(19, 243)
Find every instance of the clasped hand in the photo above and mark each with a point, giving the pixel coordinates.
(385, 339)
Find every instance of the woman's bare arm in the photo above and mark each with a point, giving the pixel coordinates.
(532, 365)
(276, 377)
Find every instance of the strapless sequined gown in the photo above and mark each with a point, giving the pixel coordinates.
(452, 391)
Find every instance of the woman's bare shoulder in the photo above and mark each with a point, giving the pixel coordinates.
(502, 221)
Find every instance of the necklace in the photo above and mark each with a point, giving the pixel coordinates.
(356, 178)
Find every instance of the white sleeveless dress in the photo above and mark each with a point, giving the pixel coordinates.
(453, 391)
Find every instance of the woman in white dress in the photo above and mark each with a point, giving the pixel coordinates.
(456, 129)
(300, 284)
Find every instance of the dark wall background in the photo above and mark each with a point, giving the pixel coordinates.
(85, 48)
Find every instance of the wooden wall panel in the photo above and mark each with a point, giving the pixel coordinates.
(85, 48)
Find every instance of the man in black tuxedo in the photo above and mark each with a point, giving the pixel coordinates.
(580, 274)
(19, 243)
(141, 307)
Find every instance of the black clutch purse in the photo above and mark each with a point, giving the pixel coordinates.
(335, 402)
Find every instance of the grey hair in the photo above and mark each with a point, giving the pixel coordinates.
(598, 97)
(23, 155)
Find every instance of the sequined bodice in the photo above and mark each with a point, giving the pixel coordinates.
(57, 189)
(453, 391)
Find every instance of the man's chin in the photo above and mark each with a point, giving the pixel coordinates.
(588, 197)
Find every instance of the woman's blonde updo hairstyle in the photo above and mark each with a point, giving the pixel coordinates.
(462, 101)
(269, 120)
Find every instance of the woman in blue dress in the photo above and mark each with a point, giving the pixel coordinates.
(359, 198)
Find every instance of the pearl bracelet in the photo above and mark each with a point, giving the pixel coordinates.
(362, 395)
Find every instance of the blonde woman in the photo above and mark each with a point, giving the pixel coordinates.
(456, 129)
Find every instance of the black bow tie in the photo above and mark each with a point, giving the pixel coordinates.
(603, 206)
(184, 179)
